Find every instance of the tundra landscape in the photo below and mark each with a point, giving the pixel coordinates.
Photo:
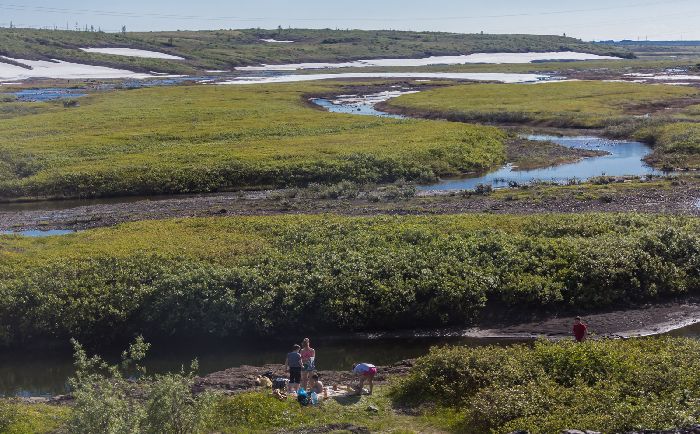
(444, 205)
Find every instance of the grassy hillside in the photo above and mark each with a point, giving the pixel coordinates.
(269, 275)
(662, 115)
(225, 49)
(208, 138)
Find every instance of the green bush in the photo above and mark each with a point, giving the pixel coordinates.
(609, 386)
(240, 276)
(108, 401)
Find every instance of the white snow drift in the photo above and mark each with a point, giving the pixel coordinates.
(60, 70)
(500, 77)
(133, 52)
(438, 60)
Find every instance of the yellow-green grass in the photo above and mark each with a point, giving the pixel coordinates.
(677, 145)
(583, 104)
(20, 418)
(206, 138)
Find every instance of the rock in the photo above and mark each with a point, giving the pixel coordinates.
(372, 409)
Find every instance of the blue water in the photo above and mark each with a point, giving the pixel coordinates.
(38, 233)
(354, 109)
(624, 159)
(47, 94)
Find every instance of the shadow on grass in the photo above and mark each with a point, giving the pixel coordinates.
(348, 399)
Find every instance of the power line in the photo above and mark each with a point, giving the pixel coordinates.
(122, 14)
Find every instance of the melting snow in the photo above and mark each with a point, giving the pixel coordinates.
(61, 70)
(437, 60)
(132, 52)
(502, 77)
(275, 41)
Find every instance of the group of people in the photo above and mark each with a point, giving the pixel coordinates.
(301, 363)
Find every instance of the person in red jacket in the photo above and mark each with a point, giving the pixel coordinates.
(580, 330)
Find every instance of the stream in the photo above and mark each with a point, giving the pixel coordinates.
(45, 372)
(624, 158)
(29, 373)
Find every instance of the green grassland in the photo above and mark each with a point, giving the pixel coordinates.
(662, 115)
(578, 104)
(225, 49)
(267, 275)
(208, 138)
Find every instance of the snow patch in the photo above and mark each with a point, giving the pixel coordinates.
(275, 41)
(438, 60)
(132, 52)
(61, 70)
(500, 77)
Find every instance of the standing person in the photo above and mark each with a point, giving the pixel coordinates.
(308, 361)
(366, 371)
(580, 330)
(293, 362)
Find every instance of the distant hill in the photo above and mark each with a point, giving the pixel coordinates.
(631, 43)
(225, 49)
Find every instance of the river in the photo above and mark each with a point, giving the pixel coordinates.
(623, 158)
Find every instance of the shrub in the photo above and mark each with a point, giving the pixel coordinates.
(108, 401)
(235, 276)
(610, 386)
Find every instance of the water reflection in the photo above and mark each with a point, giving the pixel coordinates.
(625, 158)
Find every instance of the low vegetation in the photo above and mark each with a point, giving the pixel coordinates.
(225, 49)
(578, 104)
(209, 138)
(665, 116)
(607, 386)
(675, 145)
(267, 275)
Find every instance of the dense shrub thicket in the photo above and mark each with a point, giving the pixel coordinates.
(264, 275)
(608, 386)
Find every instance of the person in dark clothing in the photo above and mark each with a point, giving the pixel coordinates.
(293, 363)
(580, 330)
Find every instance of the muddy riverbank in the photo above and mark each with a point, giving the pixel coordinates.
(647, 320)
(658, 197)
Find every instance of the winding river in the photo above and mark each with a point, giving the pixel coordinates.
(45, 372)
(623, 158)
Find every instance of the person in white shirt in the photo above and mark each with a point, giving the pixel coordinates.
(366, 371)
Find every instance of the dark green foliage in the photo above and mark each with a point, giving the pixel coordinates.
(262, 276)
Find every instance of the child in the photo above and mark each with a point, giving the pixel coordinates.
(293, 362)
(366, 371)
(580, 330)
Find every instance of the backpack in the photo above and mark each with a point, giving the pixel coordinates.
(279, 383)
(303, 398)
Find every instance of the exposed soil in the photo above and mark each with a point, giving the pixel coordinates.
(243, 378)
(644, 320)
(529, 154)
(656, 198)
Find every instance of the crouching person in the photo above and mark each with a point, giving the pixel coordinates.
(366, 372)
